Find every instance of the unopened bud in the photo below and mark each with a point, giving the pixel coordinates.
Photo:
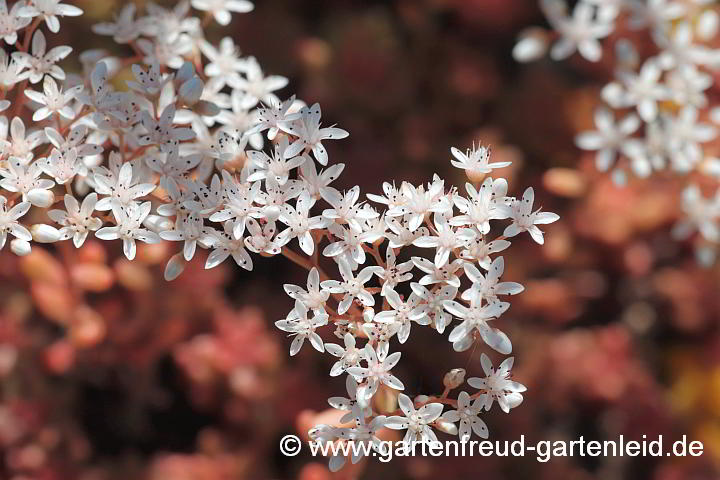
(191, 91)
(157, 223)
(20, 247)
(454, 378)
(174, 267)
(531, 45)
(446, 426)
(186, 72)
(43, 233)
(40, 197)
(206, 109)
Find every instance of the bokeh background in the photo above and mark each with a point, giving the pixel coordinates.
(108, 372)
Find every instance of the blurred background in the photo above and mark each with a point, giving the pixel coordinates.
(108, 372)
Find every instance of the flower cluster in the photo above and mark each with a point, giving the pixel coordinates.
(657, 114)
(198, 149)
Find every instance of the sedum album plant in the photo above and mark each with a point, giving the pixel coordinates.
(657, 114)
(198, 149)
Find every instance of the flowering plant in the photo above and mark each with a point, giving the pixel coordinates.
(198, 148)
(661, 97)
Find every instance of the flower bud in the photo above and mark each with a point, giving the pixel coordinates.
(191, 91)
(43, 233)
(20, 247)
(40, 197)
(532, 45)
(156, 223)
(186, 72)
(174, 267)
(454, 378)
(206, 109)
(446, 426)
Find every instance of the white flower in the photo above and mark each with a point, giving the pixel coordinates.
(642, 90)
(684, 135)
(11, 22)
(269, 118)
(349, 356)
(120, 186)
(609, 139)
(379, 333)
(434, 274)
(189, 229)
(53, 100)
(240, 119)
(278, 166)
(125, 29)
(687, 86)
(20, 145)
(239, 203)
(352, 286)
(161, 132)
(656, 14)
(299, 325)
(525, 220)
(11, 71)
(42, 62)
(476, 249)
(77, 220)
(348, 246)
(49, 10)
(476, 161)
(221, 9)
(148, 82)
(62, 166)
(421, 201)
(435, 301)
(400, 234)
(9, 221)
(170, 50)
(76, 139)
(366, 433)
(19, 177)
(310, 135)
(377, 372)
(393, 196)
(300, 225)
(261, 237)
(224, 245)
(129, 228)
(276, 196)
(702, 215)
(393, 273)
(350, 404)
(580, 32)
(482, 205)
(444, 241)
(416, 422)
(225, 62)
(316, 184)
(315, 297)
(497, 385)
(403, 313)
(345, 208)
(476, 317)
(257, 87)
(467, 415)
(678, 48)
(487, 288)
